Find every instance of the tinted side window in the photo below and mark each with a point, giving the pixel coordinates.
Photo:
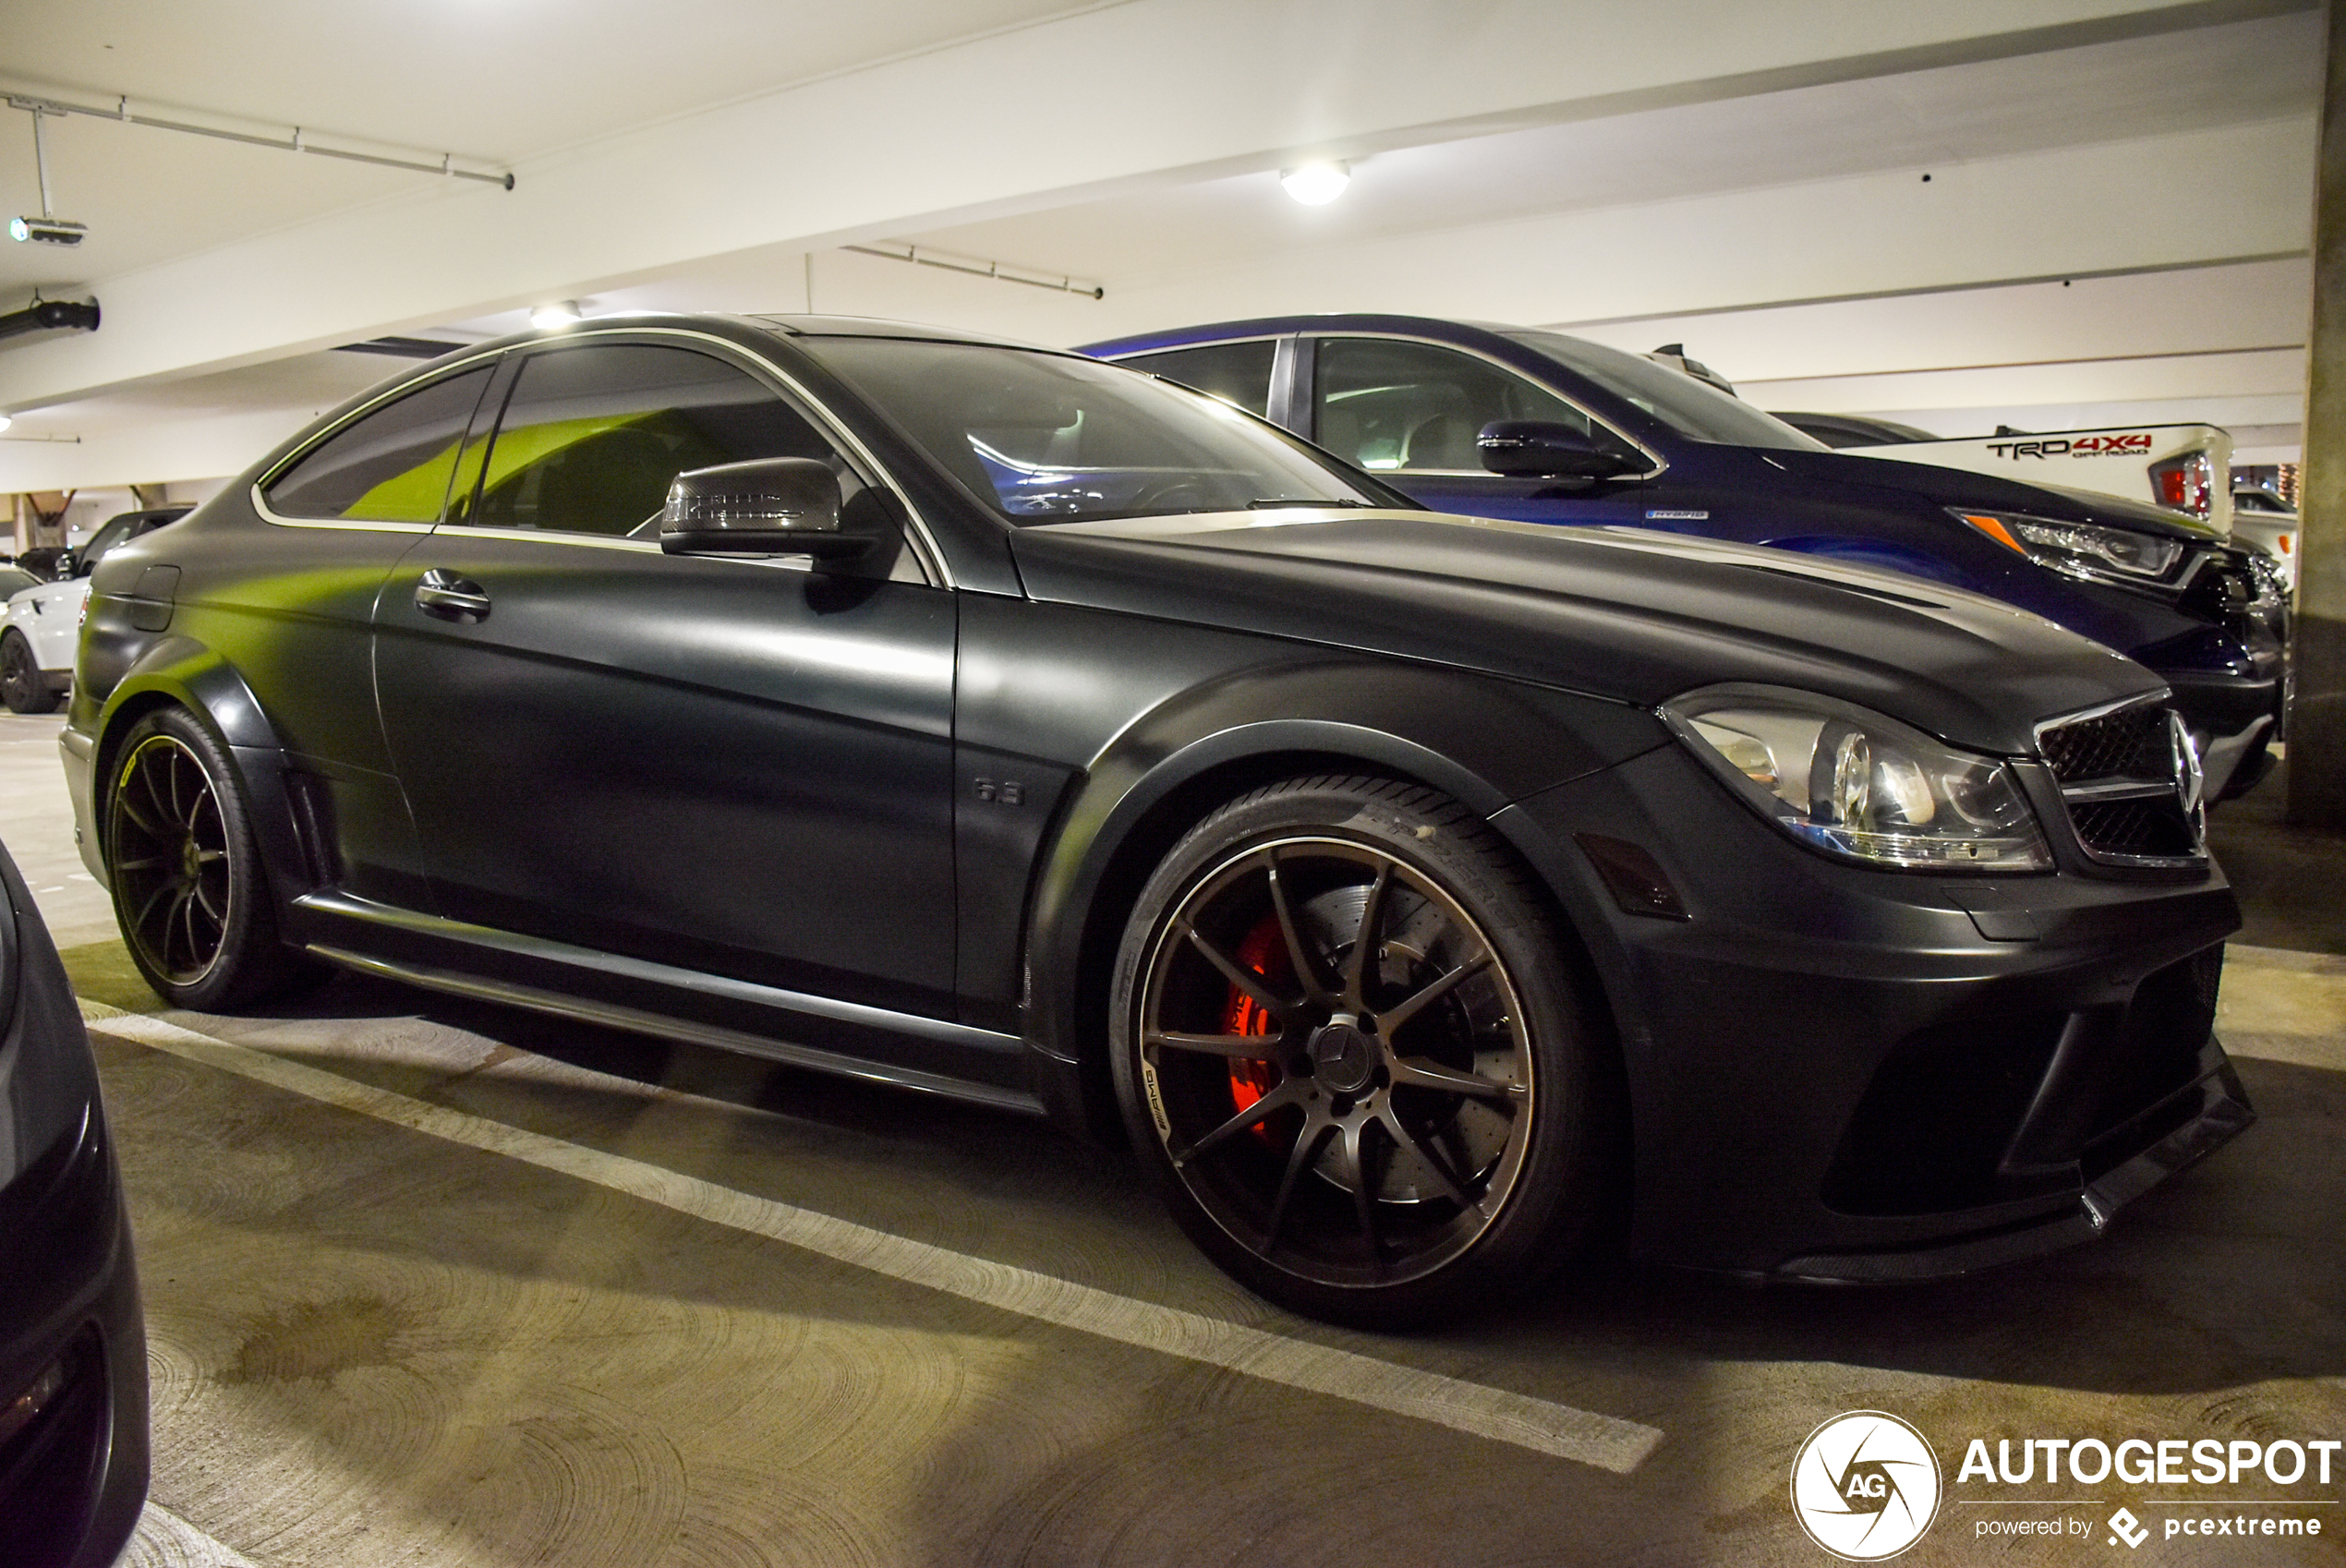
(105, 539)
(591, 436)
(1236, 372)
(391, 465)
(1384, 404)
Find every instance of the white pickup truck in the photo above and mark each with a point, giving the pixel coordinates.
(2186, 469)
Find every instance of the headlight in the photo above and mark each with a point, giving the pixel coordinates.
(1857, 784)
(2083, 549)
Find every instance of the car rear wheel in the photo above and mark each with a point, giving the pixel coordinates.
(1354, 1057)
(22, 686)
(188, 889)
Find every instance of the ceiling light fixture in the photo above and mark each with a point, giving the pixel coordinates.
(46, 229)
(557, 314)
(5, 421)
(1316, 184)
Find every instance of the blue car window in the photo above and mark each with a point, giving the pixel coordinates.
(1691, 407)
(1388, 403)
(1237, 373)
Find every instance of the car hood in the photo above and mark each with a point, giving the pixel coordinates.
(1620, 613)
(1957, 487)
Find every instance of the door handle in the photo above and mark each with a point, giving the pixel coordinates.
(451, 597)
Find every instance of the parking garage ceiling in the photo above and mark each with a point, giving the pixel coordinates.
(2116, 217)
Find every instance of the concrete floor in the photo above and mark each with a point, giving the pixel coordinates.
(430, 1283)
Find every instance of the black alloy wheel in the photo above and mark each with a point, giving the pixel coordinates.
(1354, 1057)
(22, 686)
(187, 886)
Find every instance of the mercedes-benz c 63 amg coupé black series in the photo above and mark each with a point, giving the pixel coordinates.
(1417, 894)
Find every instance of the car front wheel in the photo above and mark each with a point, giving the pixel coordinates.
(1353, 1054)
(22, 686)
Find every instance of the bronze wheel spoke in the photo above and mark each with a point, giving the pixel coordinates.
(1244, 979)
(123, 799)
(1356, 963)
(174, 809)
(1308, 1144)
(1420, 1074)
(1434, 1159)
(139, 920)
(1278, 1099)
(1354, 1156)
(179, 917)
(1307, 970)
(1394, 1020)
(1244, 1047)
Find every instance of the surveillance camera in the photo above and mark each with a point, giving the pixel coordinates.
(48, 230)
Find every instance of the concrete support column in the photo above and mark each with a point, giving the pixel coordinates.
(2317, 716)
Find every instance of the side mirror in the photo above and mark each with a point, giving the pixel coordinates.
(1537, 449)
(770, 506)
(69, 565)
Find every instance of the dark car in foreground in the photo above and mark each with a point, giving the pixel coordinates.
(73, 1357)
(1419, 896)
(1618, 438)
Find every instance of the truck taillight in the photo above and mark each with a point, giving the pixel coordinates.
(2186, 483)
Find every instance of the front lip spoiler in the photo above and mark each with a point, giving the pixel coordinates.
(2224, 1113)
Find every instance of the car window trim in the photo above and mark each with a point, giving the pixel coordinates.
(874, 473)
(1307, 398)
(801, 562)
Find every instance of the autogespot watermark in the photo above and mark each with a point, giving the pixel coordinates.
(1865, 1486)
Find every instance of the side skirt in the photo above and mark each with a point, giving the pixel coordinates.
(822, 1014)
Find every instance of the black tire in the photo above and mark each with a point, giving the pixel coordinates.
(1376, 1143)
(188, 889)
(22, 686)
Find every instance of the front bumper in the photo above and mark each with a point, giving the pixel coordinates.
(2203, 1115)
(1840, 1073)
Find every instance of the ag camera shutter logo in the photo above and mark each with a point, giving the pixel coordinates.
(1865, 1486)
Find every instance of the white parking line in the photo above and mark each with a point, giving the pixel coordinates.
(1541, 1425)
(165, 1541)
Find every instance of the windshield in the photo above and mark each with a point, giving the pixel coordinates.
(1691, 407)
(14, 582)
(1048, 437)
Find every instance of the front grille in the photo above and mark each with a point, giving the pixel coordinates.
(2146, 829)
(2130, 744)
(2132, 799)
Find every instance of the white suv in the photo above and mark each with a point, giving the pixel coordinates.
(43, 624)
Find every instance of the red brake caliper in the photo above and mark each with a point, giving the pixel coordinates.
(1265, 953)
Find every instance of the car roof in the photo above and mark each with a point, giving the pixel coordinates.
(1449, 329)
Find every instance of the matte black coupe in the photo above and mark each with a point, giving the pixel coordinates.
(1425, 899)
